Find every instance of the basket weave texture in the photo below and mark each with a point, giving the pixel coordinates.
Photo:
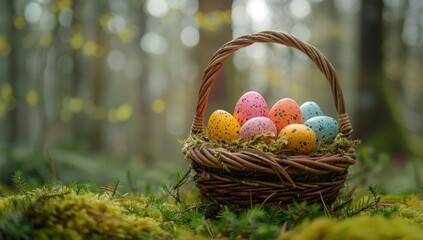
(249, 176)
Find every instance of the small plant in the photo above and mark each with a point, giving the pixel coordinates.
(20, 182)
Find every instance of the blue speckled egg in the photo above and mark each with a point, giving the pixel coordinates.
(325, 128)
(310, 109)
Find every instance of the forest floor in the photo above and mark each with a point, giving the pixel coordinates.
(86, 211)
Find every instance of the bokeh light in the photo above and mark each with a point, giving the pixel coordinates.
(301, 31)
(158, 106)
(260, 14)
(154, 43)
(190, 36)
(300, 8)
(348, 6)
(33, 12)
(157, 8)
(116, 60)
(189, 7)
(65, 17)
(116, 24)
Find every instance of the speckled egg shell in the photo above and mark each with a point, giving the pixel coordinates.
(310, 109)
(222, 126)
(285, 111)
(257, 125)
(300, 138)
(325, 128)
(250, 105)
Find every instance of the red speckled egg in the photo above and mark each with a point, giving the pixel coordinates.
(222, 126)
(257, 125)
(285, 111)
(250, 105)
(300, 138)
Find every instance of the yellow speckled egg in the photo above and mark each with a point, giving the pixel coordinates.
(300, 138)
(222, 126)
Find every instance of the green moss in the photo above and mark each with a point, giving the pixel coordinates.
(361, 227)
(77, 211)
(65, 214)
(264, 143)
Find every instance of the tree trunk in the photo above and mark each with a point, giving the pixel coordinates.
(13, 79)
(143, 103)
(98, 88)
(376, 122)
(222, 94)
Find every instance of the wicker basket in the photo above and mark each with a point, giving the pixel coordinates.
(248, 176)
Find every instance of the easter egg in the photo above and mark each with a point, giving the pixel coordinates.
(257, 125)
(310, 109)
(300, 138)
(222, 126)
(250, 105)
(325, 128)
(285, 111)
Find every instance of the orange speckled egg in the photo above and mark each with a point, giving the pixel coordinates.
(285, 111)
(300, 138)
(222, 126)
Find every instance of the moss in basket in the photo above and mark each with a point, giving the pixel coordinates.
(265, 143)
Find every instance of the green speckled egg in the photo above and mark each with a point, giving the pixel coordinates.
(222, 126)
(300, 138)
(325, 128)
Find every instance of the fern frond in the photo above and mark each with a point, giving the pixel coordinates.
(182, 177)
(20, 182)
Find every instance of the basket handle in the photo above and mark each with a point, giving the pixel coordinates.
(322, 63)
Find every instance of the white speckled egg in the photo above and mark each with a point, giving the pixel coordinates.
(250, 105)
(310, 109)
(325, 128)
(257, 125)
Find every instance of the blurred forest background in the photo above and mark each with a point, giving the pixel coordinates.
(104, 89)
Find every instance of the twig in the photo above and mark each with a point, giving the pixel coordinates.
(52, 168)
(327, 211)
(265, 200)
(130, 183)
(283, 230)
(183, 179)
(115, 188)
(210, 229)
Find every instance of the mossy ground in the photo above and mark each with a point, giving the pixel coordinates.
(85, 211)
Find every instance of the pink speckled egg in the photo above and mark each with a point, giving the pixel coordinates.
(285, 111)
(222, 126)
(257, 125)
(250, 105)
